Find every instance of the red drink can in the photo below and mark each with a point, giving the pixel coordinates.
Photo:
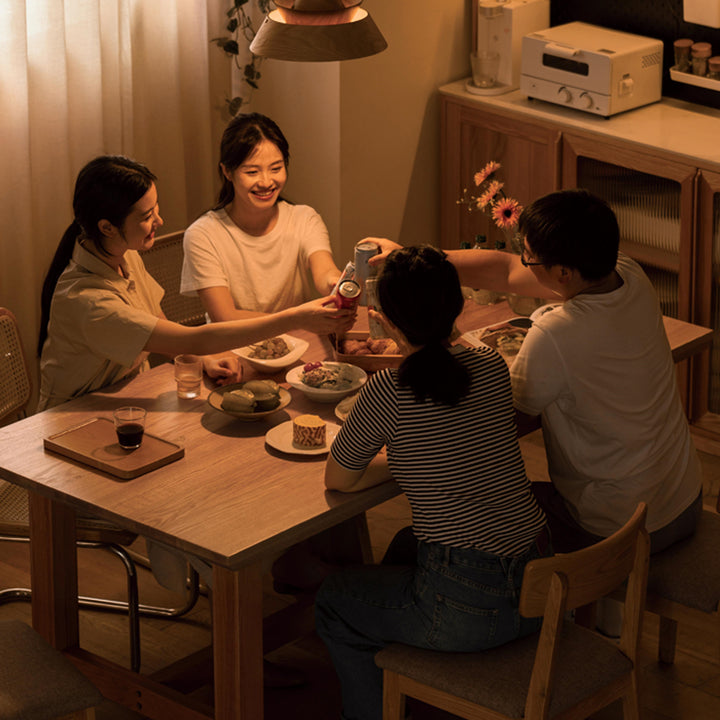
(348, 294)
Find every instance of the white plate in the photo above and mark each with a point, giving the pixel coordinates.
(343, 408)
(297, 348)
(280, 437)
(216, 396)
(358, 376)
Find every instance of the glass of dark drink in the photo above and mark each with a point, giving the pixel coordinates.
(130, 426)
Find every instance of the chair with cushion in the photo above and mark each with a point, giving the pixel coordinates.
(164, 262)
(38, 682)
(684, 585)
(566, 670)
(15, 388)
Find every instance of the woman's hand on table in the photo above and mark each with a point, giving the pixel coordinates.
(224, 369)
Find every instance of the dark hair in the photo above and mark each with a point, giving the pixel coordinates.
(242, 135)
(573, 228)
(419, 292)
(105, 189)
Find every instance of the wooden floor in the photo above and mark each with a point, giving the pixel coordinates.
(688, 690)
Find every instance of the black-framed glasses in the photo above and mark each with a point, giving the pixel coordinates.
(518, 245)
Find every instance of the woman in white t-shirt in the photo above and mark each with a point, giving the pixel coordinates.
(254, 252)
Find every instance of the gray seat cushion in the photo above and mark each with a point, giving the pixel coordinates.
(688, 572)
(37, 682)
(499, 678)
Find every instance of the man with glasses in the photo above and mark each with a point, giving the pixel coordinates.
(598, 371)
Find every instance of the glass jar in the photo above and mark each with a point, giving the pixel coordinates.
(714, 68)
(700, 52)
(682, 54)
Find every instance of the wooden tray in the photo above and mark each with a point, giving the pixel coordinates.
(95, 443)
(369, 363)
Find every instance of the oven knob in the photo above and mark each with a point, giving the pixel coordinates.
(586, 101)
(564, 95)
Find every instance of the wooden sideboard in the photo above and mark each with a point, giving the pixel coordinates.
(659, 168)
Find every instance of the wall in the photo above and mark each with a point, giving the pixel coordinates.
(365, 134)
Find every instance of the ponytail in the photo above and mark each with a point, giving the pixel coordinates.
(60, 261)
(434, 372)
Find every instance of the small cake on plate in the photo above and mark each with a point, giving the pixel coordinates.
(308, 431)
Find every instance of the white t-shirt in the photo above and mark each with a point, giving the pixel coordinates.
(600, 372)
(266, 273)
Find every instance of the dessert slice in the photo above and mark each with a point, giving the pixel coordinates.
(309, 431)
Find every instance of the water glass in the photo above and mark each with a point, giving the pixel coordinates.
(485, 66)
(188, 375)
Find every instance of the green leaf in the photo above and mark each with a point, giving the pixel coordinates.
(234, 105)
(232, 25)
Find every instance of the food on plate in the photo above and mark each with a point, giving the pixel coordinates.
(506, 339)
(271, 349)
(253, 396)
(327, 377)
(369, 346)
(309, 431)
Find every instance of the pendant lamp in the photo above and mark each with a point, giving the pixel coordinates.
(317, 31)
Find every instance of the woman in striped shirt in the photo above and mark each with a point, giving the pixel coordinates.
(446, 419)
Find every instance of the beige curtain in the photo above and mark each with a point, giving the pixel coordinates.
(79, 78)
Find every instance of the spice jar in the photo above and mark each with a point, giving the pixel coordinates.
(714, 68)
(700, 52)
(682, 54)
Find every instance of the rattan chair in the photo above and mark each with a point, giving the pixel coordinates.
(164, 262)
(566, 671)
(15, 389)
(37, 682)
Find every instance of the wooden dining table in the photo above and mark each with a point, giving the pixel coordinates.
(231, 500)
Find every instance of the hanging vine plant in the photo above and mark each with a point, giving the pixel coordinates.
(242, 32)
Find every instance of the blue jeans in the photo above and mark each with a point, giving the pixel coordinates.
(453, 599)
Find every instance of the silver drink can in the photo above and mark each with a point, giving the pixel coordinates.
(376, 328)
(364, 250)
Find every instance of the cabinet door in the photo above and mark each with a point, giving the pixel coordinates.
(653, 200)
(472, 137)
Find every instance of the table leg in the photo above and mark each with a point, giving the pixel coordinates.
(238, 643)
(53, 571)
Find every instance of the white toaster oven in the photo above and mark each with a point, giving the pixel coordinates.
(591, 68)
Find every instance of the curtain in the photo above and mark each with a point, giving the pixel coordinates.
(80, 78)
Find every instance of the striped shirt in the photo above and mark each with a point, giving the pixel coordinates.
(460, 466)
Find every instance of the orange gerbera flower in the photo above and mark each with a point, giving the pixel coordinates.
(488, 196)
(486, 172)
(505, 213)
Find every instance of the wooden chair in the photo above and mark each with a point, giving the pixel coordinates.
(37, 682)
(566, 671)
(684, 585)
(164, 262)
(15, 389)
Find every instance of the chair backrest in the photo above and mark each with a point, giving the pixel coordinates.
(15, 384)
(164, 262)
(590, 573)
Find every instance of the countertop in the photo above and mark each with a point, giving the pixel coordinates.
(689, 132)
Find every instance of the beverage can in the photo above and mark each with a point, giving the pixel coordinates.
(348, 273)
(348, 294)
(376, 328)
(364, 250)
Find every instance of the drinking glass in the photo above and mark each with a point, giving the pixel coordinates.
(188, 375)
(129, 426)
(485, 66)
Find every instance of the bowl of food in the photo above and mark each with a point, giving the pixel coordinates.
(273, 354)
(326, 381)
(371, 354)
(250, 401)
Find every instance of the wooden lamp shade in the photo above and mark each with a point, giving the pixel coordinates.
(317, 31)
